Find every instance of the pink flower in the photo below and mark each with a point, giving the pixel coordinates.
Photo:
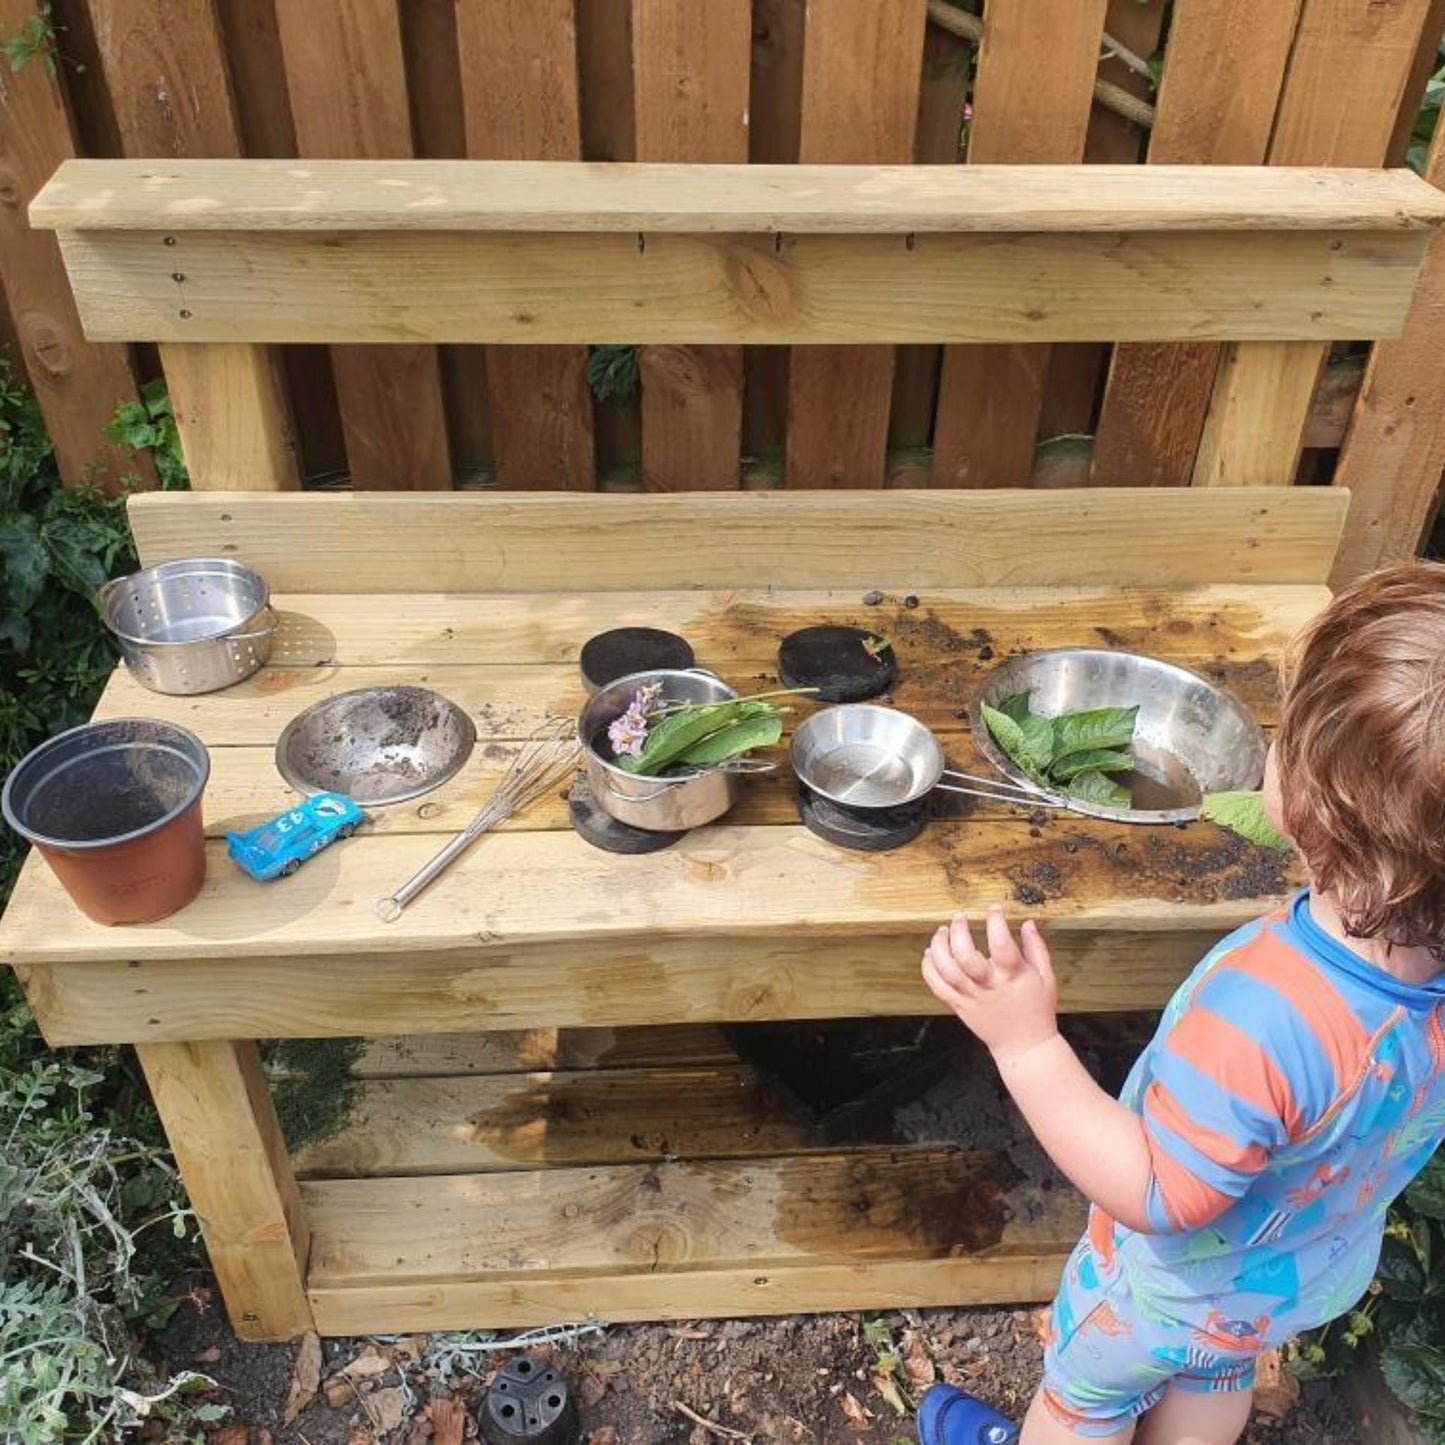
(628, 733)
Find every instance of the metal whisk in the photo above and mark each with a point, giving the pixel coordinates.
(542, 762)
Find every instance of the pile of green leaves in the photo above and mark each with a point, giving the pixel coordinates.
(1074, 753)
(706, 735)
(1402, 1318)
(1243, 813)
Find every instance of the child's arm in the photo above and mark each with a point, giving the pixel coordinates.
(1008, 997)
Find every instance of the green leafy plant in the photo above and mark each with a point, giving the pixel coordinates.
(35, 40)
(1073, 753)
(150, 425)
(612, 372)
(1243, 813)
(700, 737)
(1428, 117)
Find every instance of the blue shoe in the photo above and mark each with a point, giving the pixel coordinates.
(950, 1416)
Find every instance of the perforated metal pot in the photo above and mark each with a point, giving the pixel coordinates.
(191, 626)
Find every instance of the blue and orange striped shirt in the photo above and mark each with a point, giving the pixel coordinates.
(1292, 1091)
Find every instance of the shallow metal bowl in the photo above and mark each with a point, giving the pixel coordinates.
(1191, 738)
(376, 744)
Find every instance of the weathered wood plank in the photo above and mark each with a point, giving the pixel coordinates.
(553, 1120)
(166, 66)
(518, 889)
(530, 544)
(520, 95)
(347, 80)
(1223, 71)
(219, 1120)
(1348, 67)
(685, 290)
(499, 1052)
(861, 75)
(1031, 104)
(1394, 453)
(78, 384)
(690, 78)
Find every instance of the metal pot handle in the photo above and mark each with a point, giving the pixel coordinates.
(1001, 792)
(268, 631)
(665, 785)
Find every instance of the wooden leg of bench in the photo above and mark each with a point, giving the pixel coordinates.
(216, 1107)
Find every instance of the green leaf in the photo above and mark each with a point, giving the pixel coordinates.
(1017, 706)
(1094, 787)
(1416, 1373)
(1243, 813)
(1427, 1194)
(27, 563)
(1010, 736)
(678, 733)
(1103, 760)
(1091, 731)
(734, 740)
(1400, 1273)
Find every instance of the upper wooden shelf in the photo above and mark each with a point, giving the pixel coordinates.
(148, 195)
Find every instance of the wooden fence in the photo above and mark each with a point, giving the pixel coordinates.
(1290, 82)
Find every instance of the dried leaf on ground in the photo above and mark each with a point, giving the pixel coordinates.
(232, 1435)
(361, 1436)
(606, 1435)
(448, 1420)
(368, 1363)
(339, 1392)
(887, 1386)
(858, 1417)
(916, 1359)
(386, 1409)
(1042, 1321)
(1276, 1391)
(305, 1378)
(209, 1357)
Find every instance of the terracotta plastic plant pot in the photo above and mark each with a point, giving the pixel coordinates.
(115, 809)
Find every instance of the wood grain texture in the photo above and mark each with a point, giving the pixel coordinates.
(690, 78)
(861, 75)
(513, 195)
(166, 64)
(1394, 453)
(579, 985)
(521, 102)
(346, 74)
(77, 383)
(499, 1052)
(694, 1239)
(1222, 76)
(1348, 69)
(220, 1123)
(526, 544)
(405, 287)
(553, 1120)
(1031, 105)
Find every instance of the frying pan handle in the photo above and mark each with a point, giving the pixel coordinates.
(1001, 792)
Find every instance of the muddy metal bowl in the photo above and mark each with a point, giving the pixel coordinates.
(657, 805)
(1191, 738)
(376, 744)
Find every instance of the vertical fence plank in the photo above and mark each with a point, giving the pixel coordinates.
(938, 141)
(165, 67)
(1031, 104)
(1427, 61)
(78, 383)
(1351, 62)
(1394, 452)
(1223, 69)
(1076, 369)
(263, 110)
(347, 81)
(439, 132)
(520, 93)
(861, 71)
(690, 79)
(775, 109)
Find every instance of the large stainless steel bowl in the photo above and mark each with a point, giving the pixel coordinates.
(1191, 737)
(376, 744)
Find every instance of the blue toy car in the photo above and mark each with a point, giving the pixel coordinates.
(278, 848)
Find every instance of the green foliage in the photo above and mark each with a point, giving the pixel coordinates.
(1429, 116)
(1073, 753)
(313, 1085)
(697, 737)
(35, 40)
(150, 425)
(1243, 813)
(612, 372)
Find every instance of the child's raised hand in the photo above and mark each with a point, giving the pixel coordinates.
(1007, 996)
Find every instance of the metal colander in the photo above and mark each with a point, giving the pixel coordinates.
(191, 626)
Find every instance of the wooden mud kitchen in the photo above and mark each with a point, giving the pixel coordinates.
(552, 1123)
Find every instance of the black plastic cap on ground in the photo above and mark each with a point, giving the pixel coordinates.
(528, 1401)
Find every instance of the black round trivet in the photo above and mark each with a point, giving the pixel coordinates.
(626, 650)
(528, 1401)
(604, 831)
(835, 660)
(867, 830)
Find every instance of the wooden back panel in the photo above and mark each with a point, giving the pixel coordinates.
(515, 542)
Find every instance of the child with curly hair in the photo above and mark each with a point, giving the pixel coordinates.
(1295, 1086)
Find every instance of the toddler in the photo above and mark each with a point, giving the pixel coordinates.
(1297, 1081)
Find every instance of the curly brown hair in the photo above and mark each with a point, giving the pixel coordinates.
(1361, 754)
